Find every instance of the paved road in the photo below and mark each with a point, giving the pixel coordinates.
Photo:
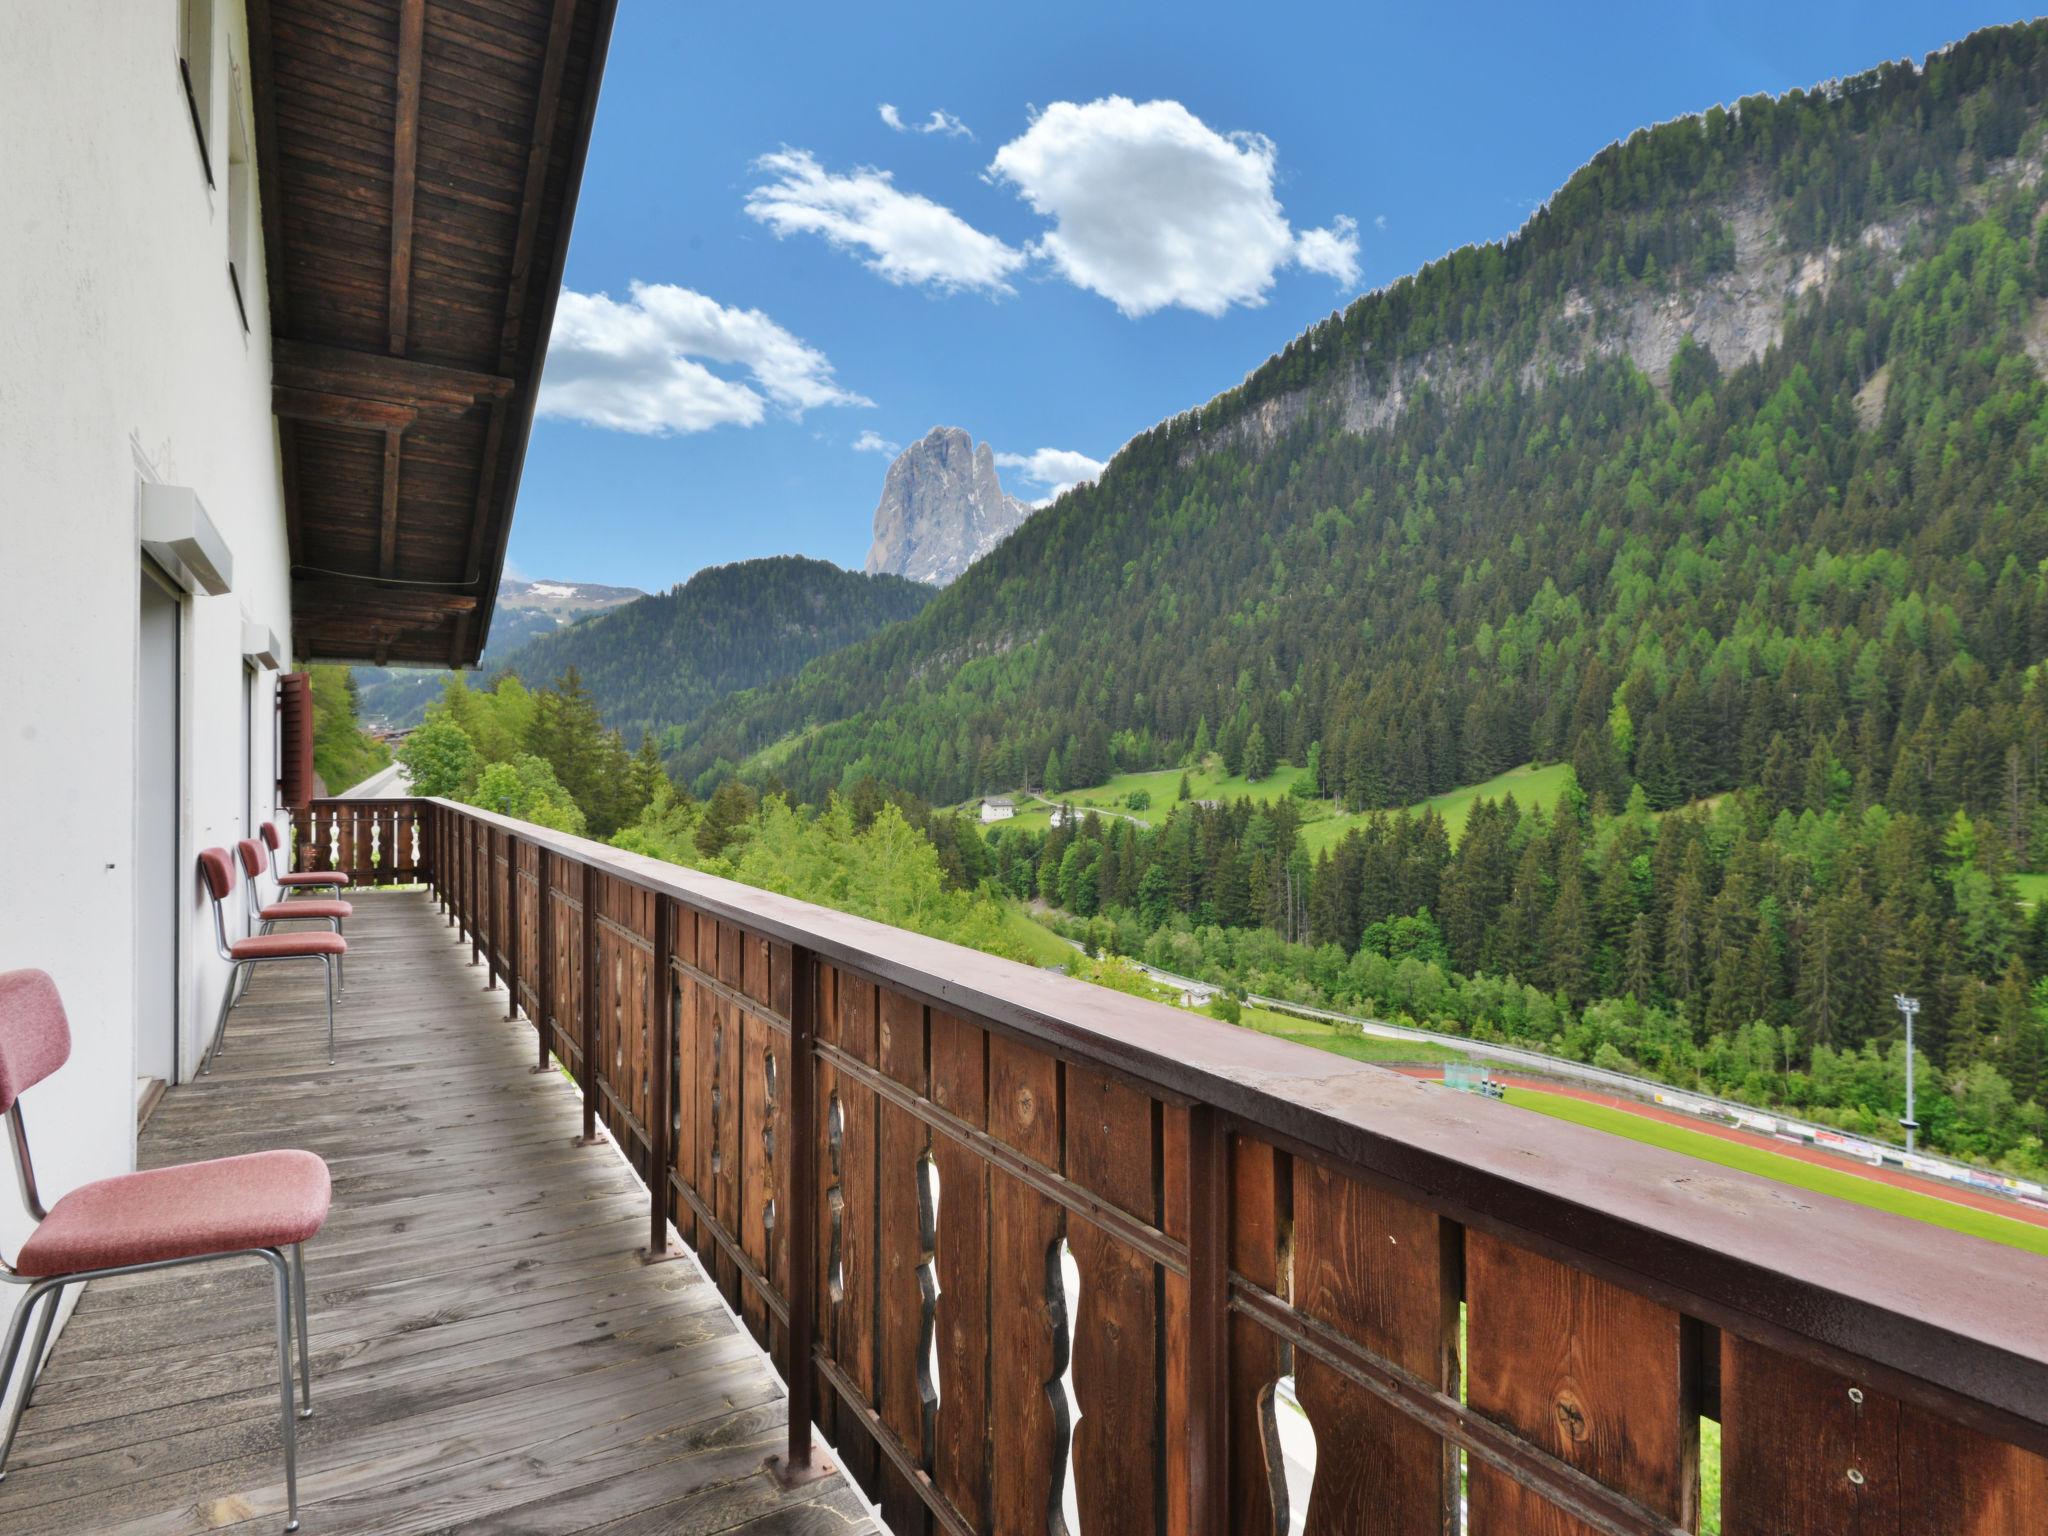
(381, 785)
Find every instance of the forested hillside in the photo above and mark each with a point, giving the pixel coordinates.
(1530, 530)
(1723, 482)
(665, 659)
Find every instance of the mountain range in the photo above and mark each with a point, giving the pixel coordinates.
(396, 698)
(1731, 451)
(658, 660)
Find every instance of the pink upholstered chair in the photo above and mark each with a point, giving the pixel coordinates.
(301, 879)
(258, 1206)
(263, 915)
(218, 871)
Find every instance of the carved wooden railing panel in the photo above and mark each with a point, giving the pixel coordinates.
(373, 842)
(1040, 1257)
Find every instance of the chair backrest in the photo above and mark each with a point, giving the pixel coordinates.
(255, 864)
(35, 1037)
(272, 838)
(218, 870)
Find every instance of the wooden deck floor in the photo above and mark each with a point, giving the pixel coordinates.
(489, 1352)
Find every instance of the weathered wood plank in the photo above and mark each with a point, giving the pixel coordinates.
(1381, 1271)
(1803, 1449)
(960, 1438)
(1111, 1150)
(1595, 1375)
(1025, 1230)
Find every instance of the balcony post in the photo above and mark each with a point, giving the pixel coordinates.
(470, 903)
(1208, 1352)
(799, 1371)
(545, 926)
(588, 1010)
(662, 1037)
(514, 935)
(494, 910)
(444, 859)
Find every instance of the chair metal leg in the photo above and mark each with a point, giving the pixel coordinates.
(37, 1294)
(305, 1348)
(220, 1027)
(288, 1417)
(328, 961)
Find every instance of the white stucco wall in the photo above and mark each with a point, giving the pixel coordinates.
(123, 357)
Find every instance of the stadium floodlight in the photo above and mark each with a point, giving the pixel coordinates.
(1908, 1006)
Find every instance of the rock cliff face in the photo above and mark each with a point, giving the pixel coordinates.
(942, 509)
(1736, 315)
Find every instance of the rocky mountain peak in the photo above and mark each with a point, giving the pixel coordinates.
(942, 508)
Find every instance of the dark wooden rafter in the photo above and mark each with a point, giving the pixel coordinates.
(457, 135)
(424, 387)
(405, 155)
(340, 410)
(405, 150)
(539, 143)
(387, 534)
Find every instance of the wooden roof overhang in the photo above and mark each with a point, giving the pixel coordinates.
(418, 165)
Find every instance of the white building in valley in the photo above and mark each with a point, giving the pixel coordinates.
(209, 421)
(997, 808)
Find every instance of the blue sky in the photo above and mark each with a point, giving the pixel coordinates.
(1117, 212)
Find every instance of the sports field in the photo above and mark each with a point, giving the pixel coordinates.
(1843, 1183)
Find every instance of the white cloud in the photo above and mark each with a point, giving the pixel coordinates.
(1332, 252)
(639, 366)
(1151, 207)
(1058, 470)
(1379, 221)
(941, 121)
(906, 238)
(872, 441)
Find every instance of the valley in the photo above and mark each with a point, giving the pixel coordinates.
(1653, 604)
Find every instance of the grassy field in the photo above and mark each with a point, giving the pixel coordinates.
(1529, 784)
(1839, 1182)
(1043, 945)
(2031, 888)
(1324, 825)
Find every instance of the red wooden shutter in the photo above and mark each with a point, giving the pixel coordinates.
(295, 739)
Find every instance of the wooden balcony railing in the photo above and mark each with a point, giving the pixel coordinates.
(1024, 1245)
(373, 842)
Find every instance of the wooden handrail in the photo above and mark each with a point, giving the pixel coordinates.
(1238, 1208)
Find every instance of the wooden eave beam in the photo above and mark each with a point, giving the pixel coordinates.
(539, 153)
(539, 150)
(405, 145)
(331, 410)
(387, 532)
(426, 388)
(362, 598)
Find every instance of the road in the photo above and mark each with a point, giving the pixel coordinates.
(384, 784)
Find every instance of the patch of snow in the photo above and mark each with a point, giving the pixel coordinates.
(551, 589)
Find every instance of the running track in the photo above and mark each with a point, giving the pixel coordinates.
(2016, 1210)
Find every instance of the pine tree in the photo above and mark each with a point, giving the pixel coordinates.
(1568, 937)
(1258, 762)
(1639, 964)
